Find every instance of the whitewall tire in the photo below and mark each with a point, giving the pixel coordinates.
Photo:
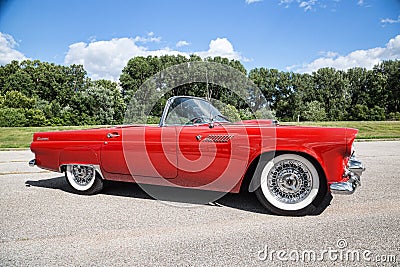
(290, 184)
(83, 179)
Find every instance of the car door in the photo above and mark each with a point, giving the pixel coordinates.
(211, 158)
(147, 151)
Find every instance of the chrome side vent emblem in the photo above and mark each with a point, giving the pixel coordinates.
(218, 138)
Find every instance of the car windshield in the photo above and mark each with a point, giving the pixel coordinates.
(188, 111)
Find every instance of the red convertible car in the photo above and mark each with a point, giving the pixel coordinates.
(292, 170)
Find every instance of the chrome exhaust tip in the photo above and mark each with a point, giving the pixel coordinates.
(32, 162)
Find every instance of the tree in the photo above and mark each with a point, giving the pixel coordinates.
(15, 99)
(140, 69)
(96, 105)
(5, 72)
(38, 93)
(12, 117)
(134, 74)
(377, 114)
(359, 91)
(359, 112)
(314, 111)
(387, 80)
(34, 117)
(331, 89)
(303, 92)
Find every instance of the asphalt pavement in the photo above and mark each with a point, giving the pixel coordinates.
(43, 224)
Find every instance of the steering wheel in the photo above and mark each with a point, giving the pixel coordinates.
(197, 120)
(201, 119)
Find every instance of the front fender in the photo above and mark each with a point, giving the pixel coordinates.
(268, 155)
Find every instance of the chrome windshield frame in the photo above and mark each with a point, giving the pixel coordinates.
(171, 100)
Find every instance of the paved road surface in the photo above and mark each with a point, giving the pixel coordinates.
(42, 223)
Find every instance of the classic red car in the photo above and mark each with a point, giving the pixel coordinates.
(292, 170)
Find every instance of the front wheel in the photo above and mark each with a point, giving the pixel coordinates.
(83, 179)
(290, 184)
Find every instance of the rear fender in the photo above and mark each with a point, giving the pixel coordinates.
(78, 155)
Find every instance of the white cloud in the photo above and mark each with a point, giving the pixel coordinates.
(106, 59)
(182, 43)
(359, 58)
(307, 5)
(312, 5)
(221, 47)
(286, 2)
(390, 21)
(150, 38)
(329, 54)
(363, 3)
(252, 1)
(8, 52)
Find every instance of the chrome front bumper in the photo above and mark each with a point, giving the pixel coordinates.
(353, 171)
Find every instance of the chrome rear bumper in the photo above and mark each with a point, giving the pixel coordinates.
(353, 171)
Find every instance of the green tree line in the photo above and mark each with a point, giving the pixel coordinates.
(35, 93)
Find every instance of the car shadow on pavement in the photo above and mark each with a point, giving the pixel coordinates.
(243, 201)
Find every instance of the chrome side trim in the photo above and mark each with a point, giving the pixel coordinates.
(94, 166)
(218, 138)
(353, 171)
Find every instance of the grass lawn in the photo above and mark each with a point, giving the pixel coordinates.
(367, 129)
(21, 137)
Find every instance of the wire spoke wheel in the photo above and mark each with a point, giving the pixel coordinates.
(289, 184)
(289, 181)
(83, 179)
(82, 175)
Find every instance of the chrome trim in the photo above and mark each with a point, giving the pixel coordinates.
(94, 166)
(112, 135)
(32, 163)
(217, 138)
(344, 188)
(356, 166)
(353, 171)
(165, 112)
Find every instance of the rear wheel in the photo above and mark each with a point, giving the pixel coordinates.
(83, 179)
(290, 184)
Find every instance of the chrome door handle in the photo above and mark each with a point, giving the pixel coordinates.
(112, 135)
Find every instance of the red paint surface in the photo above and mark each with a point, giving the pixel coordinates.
(185, 157)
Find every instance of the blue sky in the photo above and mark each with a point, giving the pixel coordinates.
(295, 35)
